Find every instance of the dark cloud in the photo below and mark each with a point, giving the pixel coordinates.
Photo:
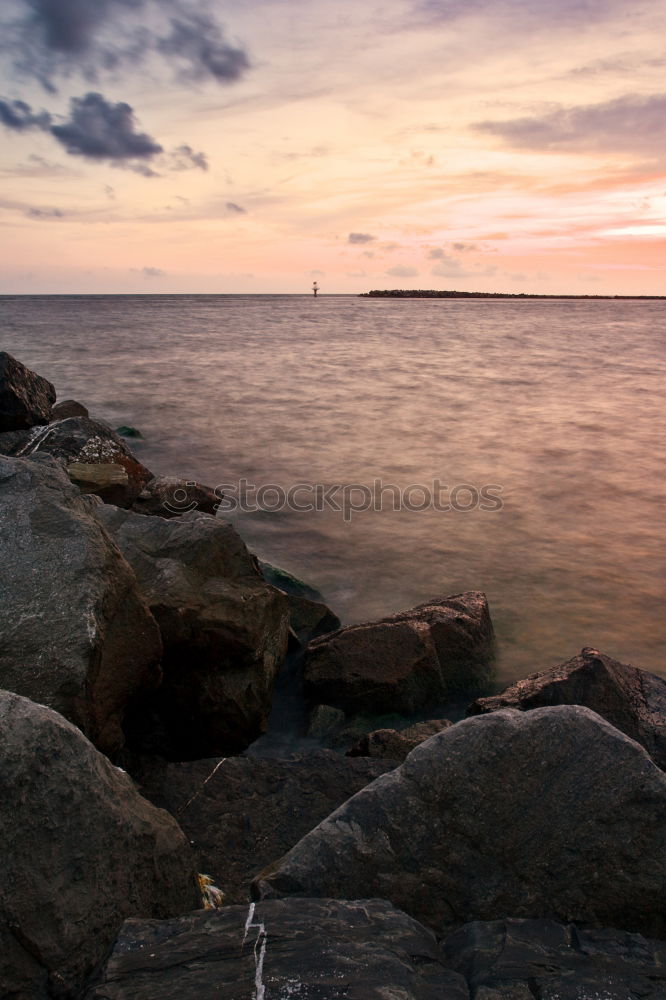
(20, 117)
(237, 209)
(153, 272)
(185, 158)
(100, 130)
(200, 46)
(44, 213)
(360, 238)
(52, 39)
(436, 253)
(632, 123)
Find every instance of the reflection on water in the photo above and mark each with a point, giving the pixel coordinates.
(558, 402)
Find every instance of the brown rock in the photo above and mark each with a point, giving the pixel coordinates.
(396, 744)
(223, 627)
(25, 398)
(68, 408)
(633, 700)
(425, 656)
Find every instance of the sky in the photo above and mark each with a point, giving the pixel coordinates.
(153, 146)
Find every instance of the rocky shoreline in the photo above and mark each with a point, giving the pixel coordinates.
(161, 840)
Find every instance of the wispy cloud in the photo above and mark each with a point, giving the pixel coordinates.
(633, 123)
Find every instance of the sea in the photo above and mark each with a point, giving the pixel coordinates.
(389, 451)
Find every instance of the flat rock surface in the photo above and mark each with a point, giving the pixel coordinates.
(244, 812)
(224, 631)
(280, 950)
(76, 633)
(550, 813)
(81, 851)
(524, 959)
(633, 700)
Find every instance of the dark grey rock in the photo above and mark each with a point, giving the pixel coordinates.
(81, 851)
(280, 950)
(512, 959)
(223, 627)
(75, 633)
(97, 460)
(551, 813)
(243, 812)
(407, 662)
(632, 700)
(25, 398)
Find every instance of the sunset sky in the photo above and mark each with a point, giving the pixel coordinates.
(185, 146)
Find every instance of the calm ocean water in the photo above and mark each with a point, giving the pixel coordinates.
(559, 403)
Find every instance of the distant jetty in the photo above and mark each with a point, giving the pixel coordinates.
(432, 293)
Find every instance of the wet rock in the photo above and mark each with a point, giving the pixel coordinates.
(81, 851)
(167, 496)
(26, 399)
(310, 619)
(76, 633)
(515, 959)
(302, 949)
(224, 632)
(243, 812)
(128, 432)
(425, 656)
(78, 443)
(68, 408)
(396, 745)
(551, 813)
(289, 584)
(633, 700)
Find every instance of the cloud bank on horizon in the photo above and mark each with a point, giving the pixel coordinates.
(512, 145)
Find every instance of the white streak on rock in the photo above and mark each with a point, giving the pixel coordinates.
(260, 946)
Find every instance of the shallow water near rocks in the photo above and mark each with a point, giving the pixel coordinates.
(560, 403)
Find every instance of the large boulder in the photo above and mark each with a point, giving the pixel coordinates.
(303, 949)
(223, 627)
(524, 959)
(241, 813)
(551, 813)
(25, 398)
(97, 460)
(633, 700)
(75, 632)
(81, 851)
(409, 661)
